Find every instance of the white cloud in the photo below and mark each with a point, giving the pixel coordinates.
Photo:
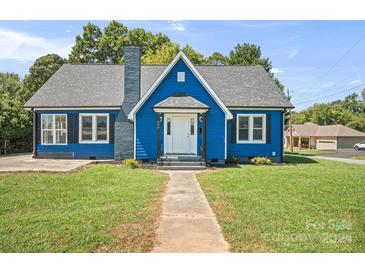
(328, 84)
(23, 47)
(293, 53)
(353, 82)
(177, 25)
(68, 31)
(276, 70)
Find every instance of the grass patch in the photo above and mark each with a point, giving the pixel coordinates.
(359, 157)
(107, 208)
(307, 206)
(309, 152)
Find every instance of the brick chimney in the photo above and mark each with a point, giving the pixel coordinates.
(124, 129)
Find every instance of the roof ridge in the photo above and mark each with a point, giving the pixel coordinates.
(223, 65)
(94, 64)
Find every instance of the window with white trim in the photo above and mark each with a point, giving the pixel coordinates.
(181, 76)
(53, 129)
(251, 128)
(94, 128)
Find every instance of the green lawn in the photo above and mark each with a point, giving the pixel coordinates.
(103, 208)
(309, 152)
(309, 206)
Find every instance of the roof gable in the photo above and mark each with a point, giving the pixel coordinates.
(185, 59)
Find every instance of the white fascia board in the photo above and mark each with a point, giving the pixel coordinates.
(180, 110)
(207, 86)
(190, 65)
(153, 87)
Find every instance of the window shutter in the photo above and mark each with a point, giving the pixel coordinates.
(76, 128)
(268, 128)
(111, 128)
(38, 128)
(69, 128)
(234, 128)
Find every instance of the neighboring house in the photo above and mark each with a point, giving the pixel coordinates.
(149, 111)
(324, 137)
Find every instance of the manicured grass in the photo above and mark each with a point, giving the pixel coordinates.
(103, 208)
(309, 152)
(307, 206)
(359, 157)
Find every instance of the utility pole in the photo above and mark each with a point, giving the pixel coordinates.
(290, 125)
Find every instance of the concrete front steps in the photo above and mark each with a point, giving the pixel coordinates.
(181, 162)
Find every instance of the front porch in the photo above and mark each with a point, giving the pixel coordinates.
(181, 132)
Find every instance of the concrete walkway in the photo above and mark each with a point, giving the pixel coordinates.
(343, 160)
(187, 222)
(25, 162)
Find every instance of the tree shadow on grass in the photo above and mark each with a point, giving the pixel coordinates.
(291, 159)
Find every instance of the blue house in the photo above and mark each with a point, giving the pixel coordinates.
(153, 112)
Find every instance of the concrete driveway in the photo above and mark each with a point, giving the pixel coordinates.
(25, 162)
(345, 153)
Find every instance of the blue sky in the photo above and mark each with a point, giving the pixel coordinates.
(318, 60)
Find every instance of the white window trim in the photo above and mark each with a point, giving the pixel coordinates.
(181, 76)
(53, 129)
(250, 129)
(93, 141)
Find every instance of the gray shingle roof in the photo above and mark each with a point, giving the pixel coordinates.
(244, 86)
(103, 86)
(180, 102)
(81, 85)
(311, 129)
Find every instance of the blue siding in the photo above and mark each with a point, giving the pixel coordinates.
(146, 118)
(79, 150)
(249, 150)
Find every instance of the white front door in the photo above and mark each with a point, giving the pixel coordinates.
(180, 132)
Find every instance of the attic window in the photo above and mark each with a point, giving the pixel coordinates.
(181, 76)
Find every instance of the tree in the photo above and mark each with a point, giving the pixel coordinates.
(347, 112)
(163, 55)
(352, 103)
(112, 43)
(15, 122)
(195, 57)
(146, 40)
(42, 69)
(217, 58)
(86, 49)
(10, 84)
(248, 54)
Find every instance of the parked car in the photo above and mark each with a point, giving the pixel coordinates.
(360, 146)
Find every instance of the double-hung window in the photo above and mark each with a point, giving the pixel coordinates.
(94, 128)
(54, 129)
(251, 128)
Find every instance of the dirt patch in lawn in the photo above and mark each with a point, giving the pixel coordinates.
(138, 236)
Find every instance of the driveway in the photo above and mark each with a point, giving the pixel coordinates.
(345, 153)
(25, 162)
(343, 160)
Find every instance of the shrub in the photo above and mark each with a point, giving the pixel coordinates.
(261, 161)
(234, 160)
(131, 163)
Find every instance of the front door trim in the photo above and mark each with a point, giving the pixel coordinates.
(168, 140)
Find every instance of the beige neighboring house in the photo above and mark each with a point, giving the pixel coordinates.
(324, 137)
